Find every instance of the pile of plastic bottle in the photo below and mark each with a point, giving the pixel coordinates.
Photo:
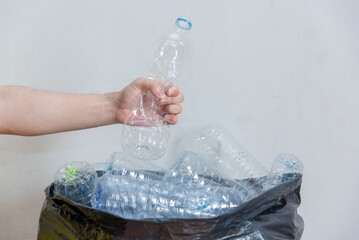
(213, 173)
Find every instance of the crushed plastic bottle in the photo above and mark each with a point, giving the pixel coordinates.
(228, 160)
(120, 163)
(285, 167)
(188, 190)
(133, 198)
(76, 181)
(145, 132)
(191, 169)
(218, 147)
(214, 193)
(217, 176)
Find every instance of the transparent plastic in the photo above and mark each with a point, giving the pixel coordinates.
(217, 176)
(145, 132)
(220, 149)
(226, 161)
(100, 168)
(285, 167)
(191, 169)
(215, 193)
(122, 164)
(76, 181)
(120, 195)
(133, 198)
(192, 188)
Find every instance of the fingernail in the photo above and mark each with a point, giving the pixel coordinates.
(160, 93)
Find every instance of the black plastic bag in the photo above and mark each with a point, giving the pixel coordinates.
(270, 216)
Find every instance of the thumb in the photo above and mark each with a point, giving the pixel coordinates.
(145, 84)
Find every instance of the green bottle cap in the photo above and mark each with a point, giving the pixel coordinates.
(71, 173)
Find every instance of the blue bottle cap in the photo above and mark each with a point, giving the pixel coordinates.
(183, 23)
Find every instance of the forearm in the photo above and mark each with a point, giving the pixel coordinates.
(29, 112)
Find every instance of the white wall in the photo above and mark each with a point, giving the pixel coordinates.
(282, 75)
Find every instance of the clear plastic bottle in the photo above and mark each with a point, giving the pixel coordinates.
(210, 194)
(191, 169)
(285, 167)
(145, 133)
(76, 181)
(195, 171)
(133, 198)
(120, 163)
(121, 195)
(230, 161)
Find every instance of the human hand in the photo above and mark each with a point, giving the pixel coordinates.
(168, 101)
(31, 112)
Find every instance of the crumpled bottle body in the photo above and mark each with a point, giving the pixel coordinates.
(146, 133)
